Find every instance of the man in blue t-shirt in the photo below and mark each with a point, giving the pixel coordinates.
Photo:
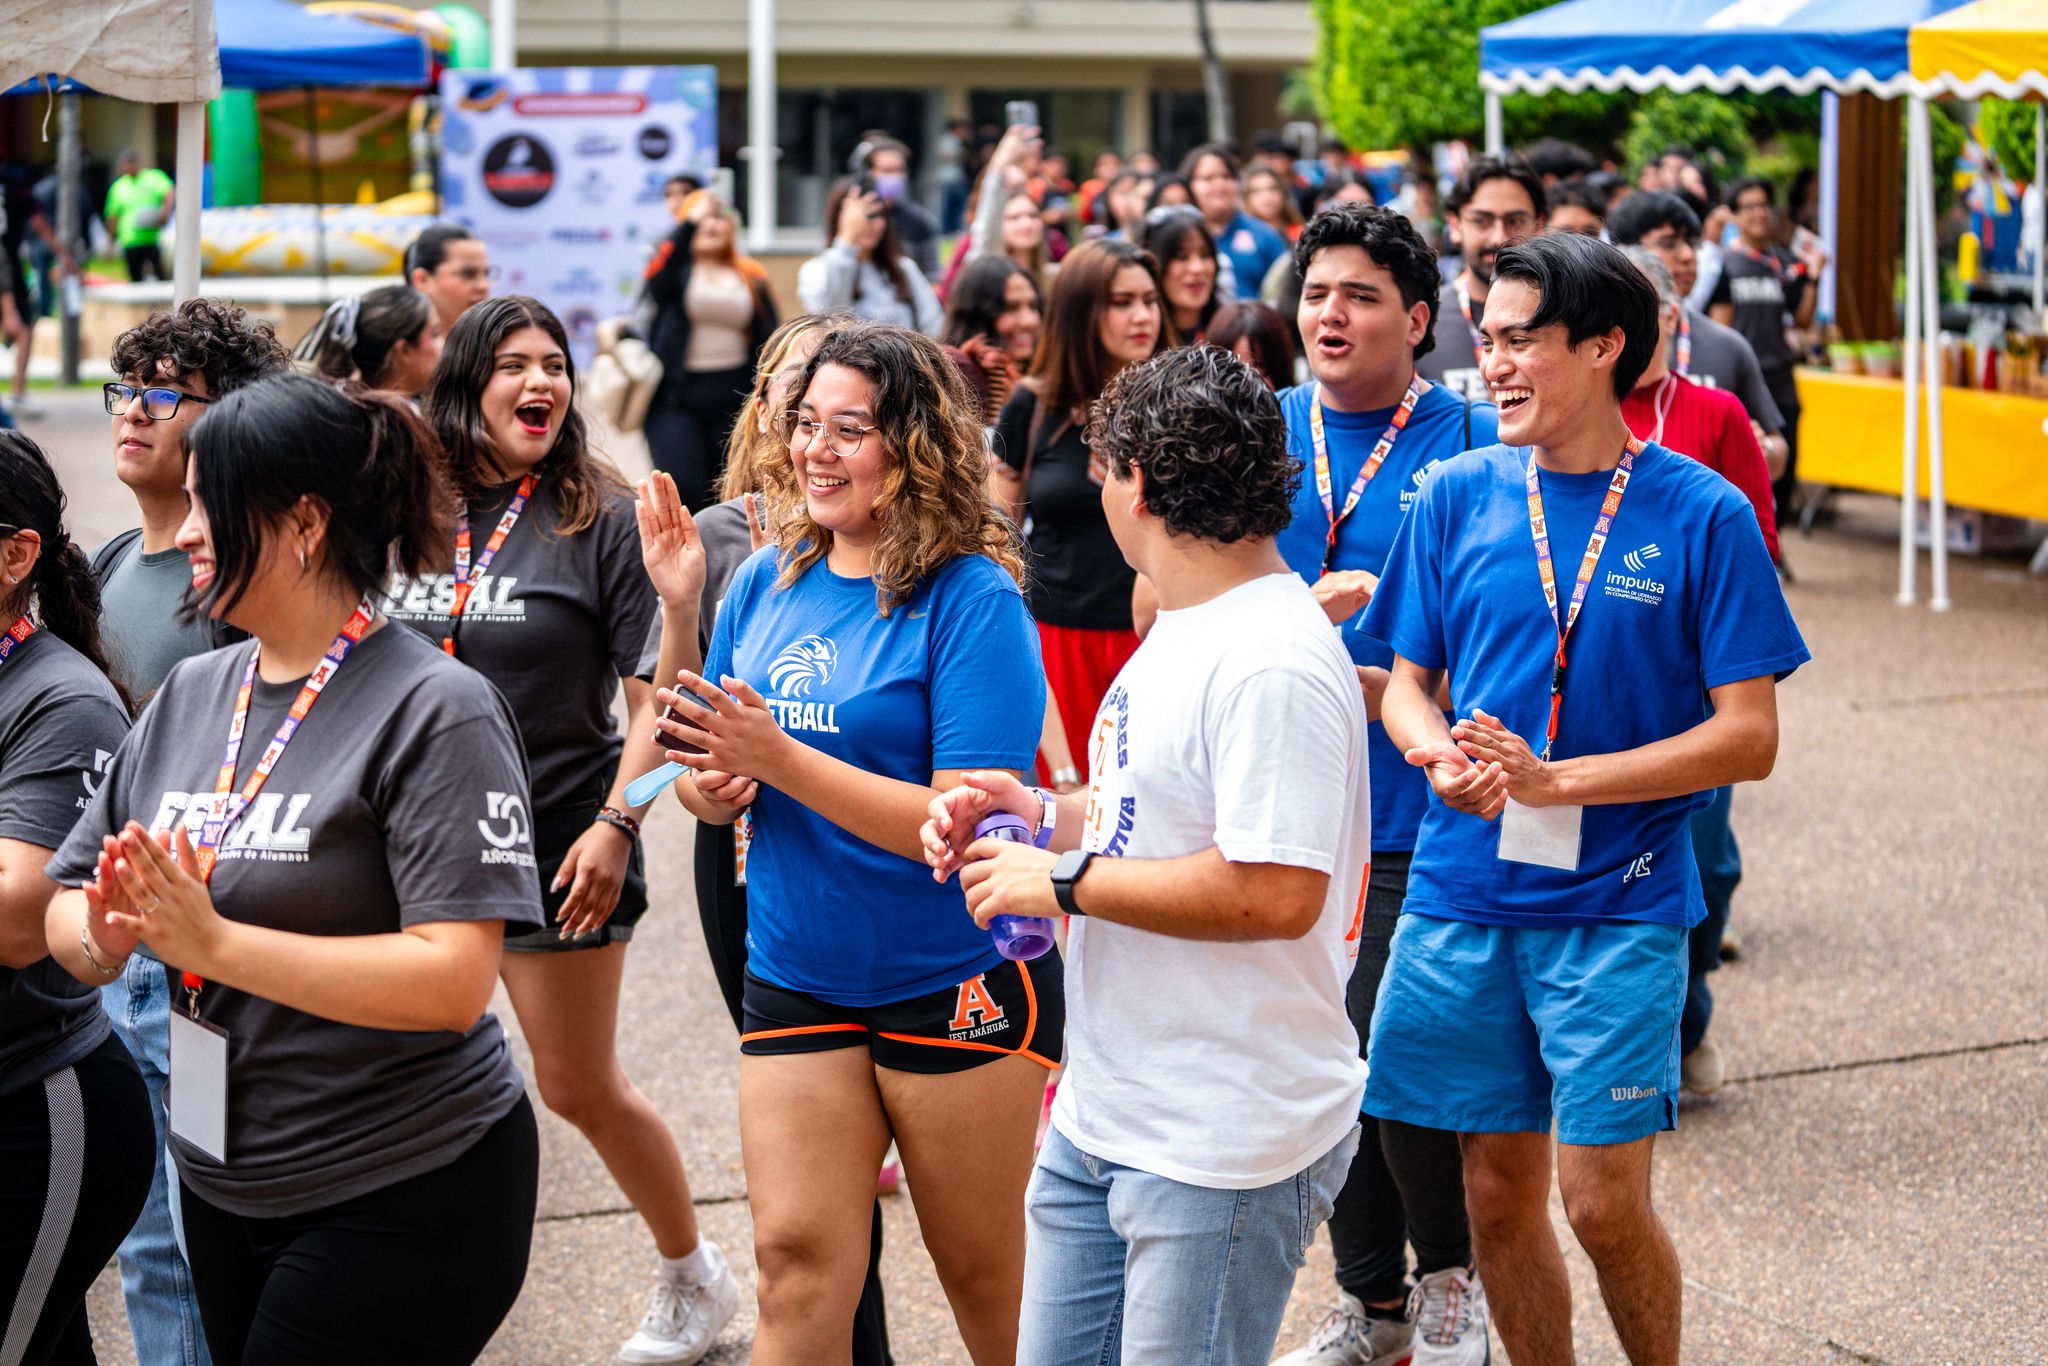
(1213, 175)
(1613, 632)
(1369, 288)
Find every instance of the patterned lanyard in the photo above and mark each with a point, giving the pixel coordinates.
(22, 629)
(1465, 307)
(1785, 272)
(465, 582)
(1602, 525)
(225, 809)
(1417, 387)
(1684, 366)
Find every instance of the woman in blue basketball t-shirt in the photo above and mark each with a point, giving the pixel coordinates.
(880, 650)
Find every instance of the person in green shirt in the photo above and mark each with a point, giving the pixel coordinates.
(139, 203)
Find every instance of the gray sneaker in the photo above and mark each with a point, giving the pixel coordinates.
(1449, 1311)
(683, 1320)
(1348, 1336)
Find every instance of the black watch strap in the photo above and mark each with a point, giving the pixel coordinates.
(1065, 874)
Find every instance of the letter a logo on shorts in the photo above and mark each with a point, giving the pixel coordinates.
(975, 1006)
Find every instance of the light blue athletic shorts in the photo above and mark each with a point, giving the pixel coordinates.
(1494, 1029)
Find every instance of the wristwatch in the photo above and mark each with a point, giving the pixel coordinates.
(1066, 873)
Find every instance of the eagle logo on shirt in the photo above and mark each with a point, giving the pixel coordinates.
(802, 665)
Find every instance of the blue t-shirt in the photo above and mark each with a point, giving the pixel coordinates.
(1252, 247)
(1436, 431)
(1684, 600)
(950, 679)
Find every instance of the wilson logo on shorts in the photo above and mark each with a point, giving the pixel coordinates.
(802, 665)
(976, 1009)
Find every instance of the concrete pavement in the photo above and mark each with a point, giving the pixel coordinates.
(1867, 1187)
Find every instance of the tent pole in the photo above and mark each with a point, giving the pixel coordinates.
(319, 191)
(69, 168)
(191, 180)
(761, 131)
(2039, 189)
(1930, 301)
(1909, 487)
(1496, 143)
(1830, 196)
(504, 35)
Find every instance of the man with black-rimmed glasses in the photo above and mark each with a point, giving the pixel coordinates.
(172, 368)
(1497, 201)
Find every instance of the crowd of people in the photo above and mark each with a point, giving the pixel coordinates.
(1246, 622)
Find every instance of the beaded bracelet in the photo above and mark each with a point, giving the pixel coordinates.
(619, 820)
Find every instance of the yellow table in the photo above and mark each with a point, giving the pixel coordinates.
(1995, 446)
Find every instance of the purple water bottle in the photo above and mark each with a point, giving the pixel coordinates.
(1018, 937)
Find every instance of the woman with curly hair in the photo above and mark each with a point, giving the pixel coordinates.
(875, 653)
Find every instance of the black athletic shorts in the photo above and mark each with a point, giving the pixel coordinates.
(553, 832)
(1012, 1009)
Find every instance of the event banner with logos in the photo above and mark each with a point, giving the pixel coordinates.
(560, 170)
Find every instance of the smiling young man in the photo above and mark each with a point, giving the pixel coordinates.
(1213, 876)
(1613, 632)
(1497, 201)
(1370, 431)
(172, 367)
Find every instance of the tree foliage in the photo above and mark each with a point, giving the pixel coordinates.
(2008, 130)
(1714, 126)
(1404, 73)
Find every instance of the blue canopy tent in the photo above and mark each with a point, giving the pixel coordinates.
(1838, 46)
(275, 44)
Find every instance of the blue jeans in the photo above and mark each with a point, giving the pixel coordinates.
(1720, 863)
(163, 1313)
(1125, 1267)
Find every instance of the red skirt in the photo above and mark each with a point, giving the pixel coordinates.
(1079, 667)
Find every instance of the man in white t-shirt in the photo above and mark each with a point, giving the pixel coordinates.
(1213, 877)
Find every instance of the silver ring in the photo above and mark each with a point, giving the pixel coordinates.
(151, 906)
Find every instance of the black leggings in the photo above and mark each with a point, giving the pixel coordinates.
(422, 1271)
(77, 1150)
(1409, 1185)
(687, 424)
(722, 908)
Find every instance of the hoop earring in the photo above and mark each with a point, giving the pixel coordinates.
(302, 559)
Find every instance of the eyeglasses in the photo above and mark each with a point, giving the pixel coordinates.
(1754, 206)
(469, 272)
(159, 403)
(843, 436)
(1514, 224)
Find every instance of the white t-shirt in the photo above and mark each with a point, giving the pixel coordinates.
(1237, 725)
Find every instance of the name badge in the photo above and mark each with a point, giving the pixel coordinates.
(199, 1085)
(1546, 836)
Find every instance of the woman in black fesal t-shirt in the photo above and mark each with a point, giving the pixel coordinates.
(77, 1144)
(555, 612)
(1105, 313)
(323, 834)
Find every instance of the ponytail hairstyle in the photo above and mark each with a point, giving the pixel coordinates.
(361, 453)
(354, 337)
(577, 478)
(62, 585)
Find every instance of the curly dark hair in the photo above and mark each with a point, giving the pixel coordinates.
(1393, 244)
(1206, 431)
(212, 338)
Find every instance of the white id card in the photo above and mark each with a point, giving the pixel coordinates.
(199, 1085)
(1547, 836)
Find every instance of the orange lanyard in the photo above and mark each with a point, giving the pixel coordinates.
(1602, 527)
(465, 581)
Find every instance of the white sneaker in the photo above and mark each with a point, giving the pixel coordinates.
(1448, 1308)
(1701, 1071)
(1347, 1336)
(684, 1320)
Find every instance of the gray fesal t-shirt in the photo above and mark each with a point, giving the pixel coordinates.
(60, 724)
(402, 800)
(139, 604)
(556, 623)
(1453, 362)
(1722, 359)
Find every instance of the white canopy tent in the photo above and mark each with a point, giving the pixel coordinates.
(149, 51)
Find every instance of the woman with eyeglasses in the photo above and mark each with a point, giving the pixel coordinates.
(549, 600)
(77, 1143)
(713, 310)
(878, 650)
(863, 270)
(1106, 312)
(1190, 269)
(389, 338)
(451, 266)
(323, 833)
(994, 313)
